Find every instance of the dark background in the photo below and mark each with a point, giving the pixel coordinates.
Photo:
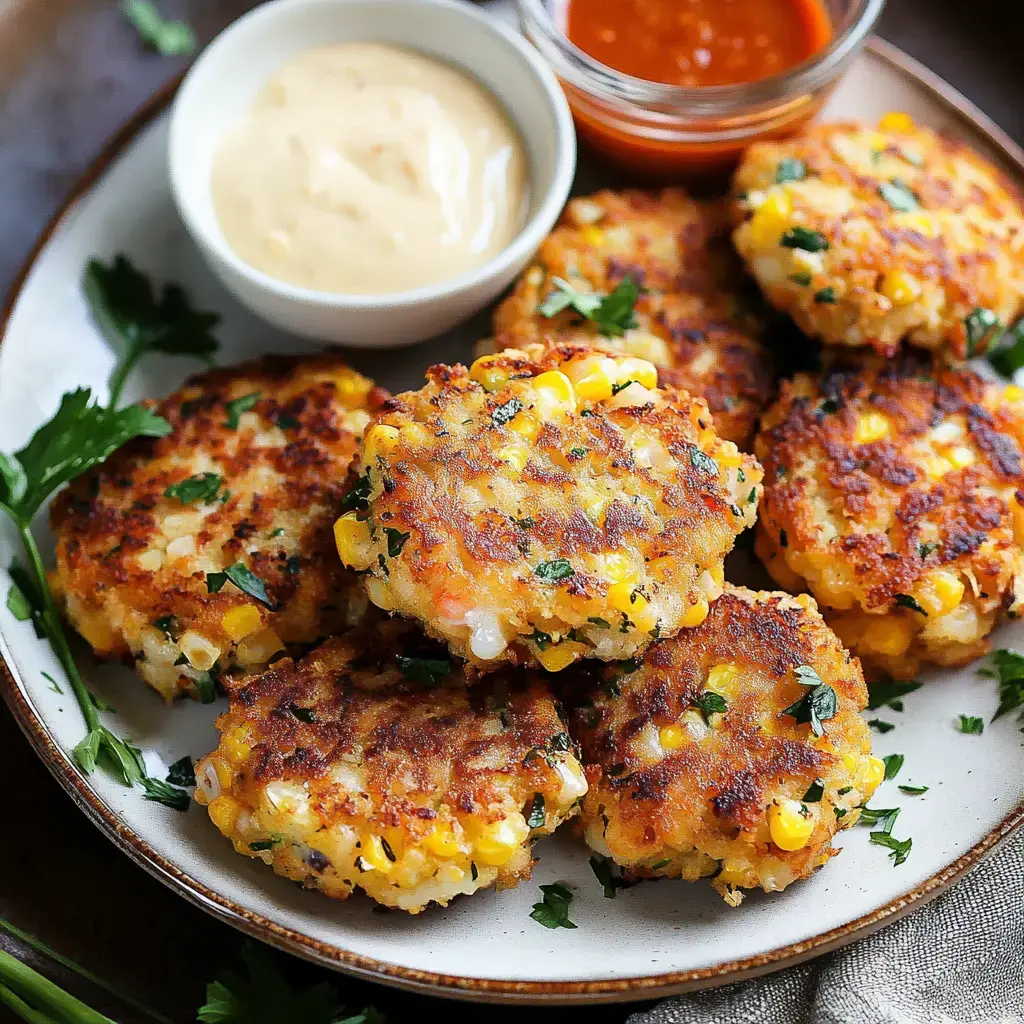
(70, 73)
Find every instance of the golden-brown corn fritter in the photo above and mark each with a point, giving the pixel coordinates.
(893, 493)
(689, 318)
(211, 549)
(733, 752)
(868, 235)
(385, 772)
(545, 506)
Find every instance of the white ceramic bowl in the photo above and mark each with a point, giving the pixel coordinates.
(222, 83)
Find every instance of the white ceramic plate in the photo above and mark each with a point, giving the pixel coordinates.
(652, 939)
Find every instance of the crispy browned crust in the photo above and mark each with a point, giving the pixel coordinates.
(975, 258)
(112, 514)
(712, 793)
(677, 249)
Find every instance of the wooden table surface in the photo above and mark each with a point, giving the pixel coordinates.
(70, 72)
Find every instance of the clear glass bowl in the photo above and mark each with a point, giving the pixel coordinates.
(665, 130)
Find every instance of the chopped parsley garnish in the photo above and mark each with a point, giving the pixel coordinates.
(506, 412)
(243, 578)
(526, 523)
(978, 325)
(882, 727)
(612, 314)
(702, 461)
(924, 550)
(608, 873)
(815, 791)
(616, 388)
(356, 497)
(658, 865)
(752, 496)
(425, 671)
(204, 684)
(913, 790)
(535, 817)
(899, 849)
(884, 817)
(182, 772)
(277, 532)
(893, 763)
(599, 622)
(898, 195)
(578, 453)
(970, 725)
(1009, 357)
(554, 571)
(396, 541)
(237, 406)
(710, 703)
(1009, 670)
(826, 296)
(167, 624)
(805, 239)
(18, 604)
(830, 405)
(307, 715)
(819, 704)
(542, 640)
(54, 685)
(790, 169)
(553, 910)
(264, 844)
(887, 693)
(168, 38)
(906, 601)
(802, 278)
(201, 487)
(162, 793)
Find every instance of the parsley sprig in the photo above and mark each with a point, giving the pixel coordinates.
(1008, 668)
(553, 910)
(817, 705)
(613, 314)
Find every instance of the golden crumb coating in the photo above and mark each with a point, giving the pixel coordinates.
(699, 764)
(546, 505)
(868, 235)
(383, 771)
(893, 493)
(251, 475)
(690, 318)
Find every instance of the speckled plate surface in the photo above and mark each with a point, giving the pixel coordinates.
(653, 939)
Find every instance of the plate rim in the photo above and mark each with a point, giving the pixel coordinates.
(455, 986)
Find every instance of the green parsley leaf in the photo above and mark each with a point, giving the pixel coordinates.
(807, 675)
(553, 910)
(612, 314)
(702, 461)
(893, 763)
(819, 704)
(78, 437)
(122, 757)
(826, 296)
(898, 195)
(506, 412)
(578, 453)
(882, 727)
(168, 38)
(565, 296)
(1008, 358)
(237, 406)
(970, 725)
(1009, 668)
(924, 550)
(906, 601)
(899, 848)
(243, 578)
(913, 790)
(357, 495)
(886, 693)
(599, 622)
(425, 671)
(609, 874)
(18, 604)
(884, 816)
(162, 793)
(307, 715)
(805, 239)
(790, 169)
(616, 388)
(802, 278)
(54, 685)
(202, 487)
(396, 541)
(125, 307)
(205, 684)
(815, 791)
(182, 772)
(710, 703)
(978, 326)
(555, 570)
(535, 817)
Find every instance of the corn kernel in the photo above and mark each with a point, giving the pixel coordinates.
(497, 843)
(874, 772)
(352, 388)
(491, 377)
(936, 467)
(872, 426)
(722, 678)
(889, 636)
(616, 567)
(223, 813)
(352, 539)
(769, 223)
(257, 649)
(1013, 393)
(900, 288)
(961, 457)
(380, 594)
(558, 386)
(559, 656)
(202, 653)
(525, 425)
(240, 622)
(921, 221)
(790, 824)
(624, 597)
(896, 121)
(234, 744)
(640, 370)
(672, 737)
(696, 613)
(442, 842)
(372, 852)
(381, 440)
(592, 235)
(940, 592)
(514, 456)
(717, 573)
(415, 434)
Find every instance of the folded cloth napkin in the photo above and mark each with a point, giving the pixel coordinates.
(958, 959)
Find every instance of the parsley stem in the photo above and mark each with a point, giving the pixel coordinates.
(23, 983)
(48, 951)
(119, 377)
(55, 632)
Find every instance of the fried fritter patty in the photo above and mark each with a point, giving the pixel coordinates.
(866, 236)
(690, 319)
(546, 506)
(893, 493)
(251, 475)
(353, 769)
(702, 761)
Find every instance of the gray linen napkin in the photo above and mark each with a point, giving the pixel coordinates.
(958, 959)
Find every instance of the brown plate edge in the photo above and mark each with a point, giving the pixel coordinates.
(454, 987)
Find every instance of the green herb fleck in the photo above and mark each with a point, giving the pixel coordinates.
(790, 169)
(243, 578)
(906, 601)
(202, 487)
(307, 715)
(425, 671)
(608, 873)
(612, 314)
(357, 495)
(924, 550)
(555, 570)
(237, 406)
(898, 195)
(702, 461)
(885, 817)
(978, 325)
(913, 790)
(970, 725)
(506, 412)
(1008, 358)
(18, 604)
(814, 793)
(54, 685)
(893, 763)
(887, 693)
(805, 239)
(882, 727)
(819, 704)
(396, 541)
(182, 772)
(899, 849)
(553, 910)
(826, 296)
(599, 622)
(161, 793)
(1009, 670)
(262, 845)
(710, 703)
(535, 818)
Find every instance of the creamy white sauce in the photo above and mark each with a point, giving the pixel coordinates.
(362, 168)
